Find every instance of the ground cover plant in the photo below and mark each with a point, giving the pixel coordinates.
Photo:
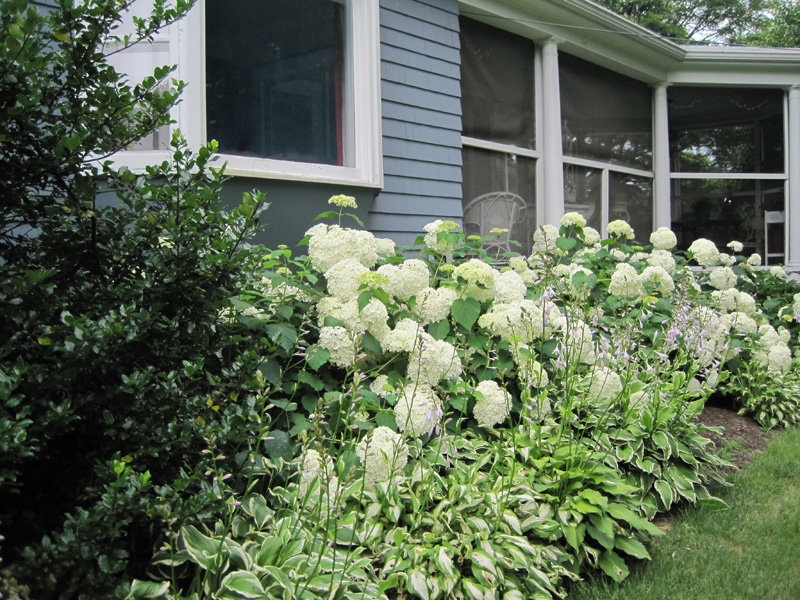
(186, 416)
(722, 554)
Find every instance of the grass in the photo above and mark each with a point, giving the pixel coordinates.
(747, 552)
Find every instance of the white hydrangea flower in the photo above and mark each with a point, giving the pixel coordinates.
(736, 246)
(742, 323)
(434, 304)
(582, 290)
(745, 303)
(573, 219)
(527, 320)
(663, 239)
(375, 316)
(340, 343)
(328, 306)
(724, 299)
(779, 359)
(769, 336)
(530, 371)
(660, 277)
(704, 252)
(723, 278)
(784, 335)
(433, 230)
(796, 307)
(343, 278)
(479, 277)
(620, 229)
(433, 360)
(329, 244)
(577, 337)
(625, 282)
(509, 286)
(544, 238)
(777, 271)
(381, 386)
(407, 279)
(494, 406)
(663, 259)
(313, 466)
(726, 259)
(383, 453)
(404, 337)
(754, 260)
(591, 236)
(385, 246)
(604, 383)
(418, 410)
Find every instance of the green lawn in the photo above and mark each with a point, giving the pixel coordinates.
(751, 551)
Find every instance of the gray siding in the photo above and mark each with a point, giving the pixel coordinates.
(421, 108)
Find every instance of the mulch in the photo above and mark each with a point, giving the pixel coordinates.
(743, 437)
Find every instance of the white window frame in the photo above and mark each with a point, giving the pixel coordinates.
(187, 51)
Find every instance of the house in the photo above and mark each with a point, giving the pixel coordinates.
(485, 112)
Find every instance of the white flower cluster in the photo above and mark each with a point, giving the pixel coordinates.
(625, 282)
(341, 344)
(407, 279)
(573, 219)
(591, 236)
(433, 230)
(433, 360)
(620, 229)
(663, 259)
(660, 278)
(663, 239)
(578, 341)
(704, 252)
(777, 271)
(707, 335)
(736, 246)
(329, 244)
(418, 410)
(723, 278)
(313, 466)
(509, 286)
(775, 354)
(530, 371)
(754, 260)
(582, 290)
(544, 238)
(434, 304)
(493, 406)
(381, 386)
(604, 383)
(372, 318)
(344, 278)
(383, 453)
(796, 307)
(526, 320)
(479, 278)
(405, 336)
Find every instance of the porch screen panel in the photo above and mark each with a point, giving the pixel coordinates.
(605, 116)
(276, 82)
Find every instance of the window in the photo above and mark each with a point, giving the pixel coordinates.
(607, 141)
(290, 89)
(727, 152)
(499, 133)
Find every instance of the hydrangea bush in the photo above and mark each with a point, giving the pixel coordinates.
(454, 424)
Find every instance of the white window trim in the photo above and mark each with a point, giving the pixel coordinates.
(187, 50)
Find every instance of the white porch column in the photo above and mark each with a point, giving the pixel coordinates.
(792, 223)
(661, 183)
(553, 171)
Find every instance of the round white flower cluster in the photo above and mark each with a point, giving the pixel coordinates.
(578, 341)
(742, 323)
(604, 383)
(582, 290)
(777, 359)
(573, 219)
(313, 466)
(433, 360)
(726, 259)
(544, 238)
(707, 334)
(418, 410)
(372, 318)
(663, 259)
(381, 386)
(796, 307)
(479, 277)
(620, 229)
(777, 271)
(343, 201)
(405, 336)
(434, 304)
(530, 371)
(663, 239)
(704, 252)
(625, 282)
(433, 230)
(340, 343)
(736, 246)
(660, 278)
(407, 279)
(509, 286)
(493, 407)
(723, 278)
(344, 278)
(329, 244)
(591, 236)
(526, 320)
(383, 453)
(754, 260)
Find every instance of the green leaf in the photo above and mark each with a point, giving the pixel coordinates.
(417, 584)
(371, 343)
(280, 576)
(147, 589)
(241, 584)
(200, 547)
(664, 490)
(613, 565)
(283, 334)
(440, 329)
(566, 244)
(317, 357)
(311, 380)
(632, 547)
(364, 298)
(466, 311)
(622, 513)
(278, 444)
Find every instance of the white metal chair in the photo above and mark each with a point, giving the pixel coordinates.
(495, 210)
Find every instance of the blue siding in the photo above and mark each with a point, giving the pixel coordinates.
(421, 109)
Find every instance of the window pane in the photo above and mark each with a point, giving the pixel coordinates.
(275, 79)
(583, 193)
(726, 210)
(630, 198)
(500, 192)
(497, 99)
(726, 130)
(606, 116)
